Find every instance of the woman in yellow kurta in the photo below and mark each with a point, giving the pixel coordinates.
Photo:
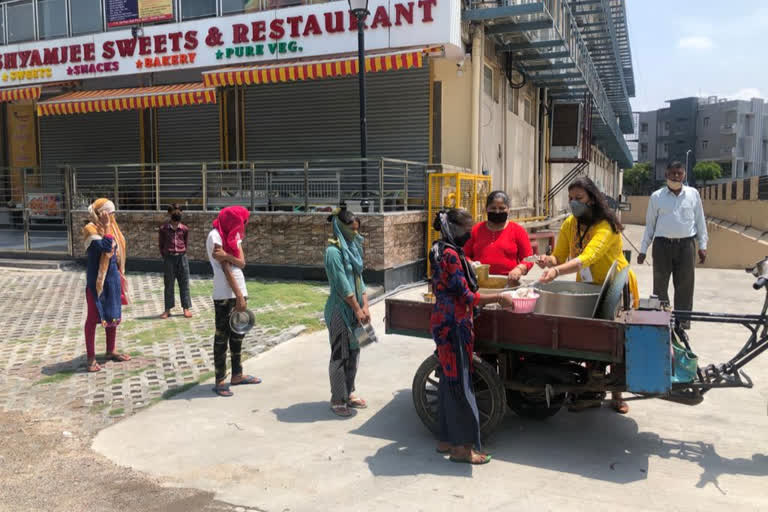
(588, 244)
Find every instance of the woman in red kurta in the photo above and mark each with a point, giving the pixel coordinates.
(499, 242)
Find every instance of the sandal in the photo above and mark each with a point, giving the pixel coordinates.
(222, 390)
(187, 313)
(620, 406)
(93, 366)
(247, 379)
(357, 403)
(469, 459)
(118, 358)
(341, 410)
(165, 315)
(444, 450)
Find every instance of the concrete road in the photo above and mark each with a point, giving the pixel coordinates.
(276, 446)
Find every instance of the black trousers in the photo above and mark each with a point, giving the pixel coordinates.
(225, 338)
(176, 269)
(675, 258)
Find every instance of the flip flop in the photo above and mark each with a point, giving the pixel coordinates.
(341, 410)
(357, 403)
(620, 407)
(443, 452)
(93, 367)
(118, 358)
(486, 460)
(247, 379)
(222, 390)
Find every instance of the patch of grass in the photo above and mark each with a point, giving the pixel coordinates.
(154, 388)
(169, 330)
(201, 288)
(181, 389)
(99, 407)
(117, 381)
(135, 353)
(204, 377)
(56, 377)
(187, 373)
(308, 316)
(264, 293)
(35, 362)
(117, 412)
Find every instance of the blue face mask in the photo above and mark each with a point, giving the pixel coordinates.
(579, 209)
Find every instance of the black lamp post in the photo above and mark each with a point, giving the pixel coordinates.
(360, 10)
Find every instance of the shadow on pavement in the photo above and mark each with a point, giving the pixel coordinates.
(308, 412)
(412, 451)
(71, 366)
(599, 445)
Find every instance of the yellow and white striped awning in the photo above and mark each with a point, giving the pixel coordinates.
(109, 100)
(20, 93)
(313, 70)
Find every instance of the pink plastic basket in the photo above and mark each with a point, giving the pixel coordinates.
(527, 305)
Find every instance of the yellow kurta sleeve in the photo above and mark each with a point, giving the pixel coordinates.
(563, 244)
(602, 236)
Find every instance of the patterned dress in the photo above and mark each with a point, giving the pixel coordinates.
(452, 330)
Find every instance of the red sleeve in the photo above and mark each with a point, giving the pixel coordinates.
(524, 246)
(186, 238)
(469, 247)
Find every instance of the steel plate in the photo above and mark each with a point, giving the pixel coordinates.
(609, 277)
(610, 304)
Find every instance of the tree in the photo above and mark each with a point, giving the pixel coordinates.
(707, 171)
(638, 178)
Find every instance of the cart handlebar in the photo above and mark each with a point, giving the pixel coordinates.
(759, 270)
(760, 283)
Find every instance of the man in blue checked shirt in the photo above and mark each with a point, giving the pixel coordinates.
(675, 223)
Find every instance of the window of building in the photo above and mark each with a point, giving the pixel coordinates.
(191, 9)
(667, 148)
(488, 80)
(86, 16)
(2, 28)
(235, 6)
(643, 127)
(644, 148)
(528, 111)
(513, 100)
(704, 144)
(51, 18)
(21, 21)
(706, 122)
(667, 126)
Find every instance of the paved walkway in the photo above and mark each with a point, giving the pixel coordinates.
(42, 352)
(277, 446)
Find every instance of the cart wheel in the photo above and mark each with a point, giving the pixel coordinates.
(489, 393)
(533, 405)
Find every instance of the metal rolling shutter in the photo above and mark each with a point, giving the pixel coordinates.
(90, 139)
(188, 134)
(320, 119)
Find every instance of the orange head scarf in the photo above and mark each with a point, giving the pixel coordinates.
(230, 224)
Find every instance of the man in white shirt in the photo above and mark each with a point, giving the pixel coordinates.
(674, 223)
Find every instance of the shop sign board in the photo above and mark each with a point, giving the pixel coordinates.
(267, 36)
(131, 12)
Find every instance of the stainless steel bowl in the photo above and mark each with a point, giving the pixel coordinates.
(242, 321)
(567, 298)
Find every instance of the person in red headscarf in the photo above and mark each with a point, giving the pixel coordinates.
(225, 253)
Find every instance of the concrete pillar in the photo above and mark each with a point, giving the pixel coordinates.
(478, 58)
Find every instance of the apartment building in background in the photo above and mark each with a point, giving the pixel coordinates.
(733, 133)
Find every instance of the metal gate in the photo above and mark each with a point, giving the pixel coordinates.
(34, 211)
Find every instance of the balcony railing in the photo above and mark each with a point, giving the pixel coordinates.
(380, 185)
(728, 128)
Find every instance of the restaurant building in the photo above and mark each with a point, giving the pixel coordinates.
(454, 84)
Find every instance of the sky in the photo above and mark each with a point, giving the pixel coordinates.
(684, 48)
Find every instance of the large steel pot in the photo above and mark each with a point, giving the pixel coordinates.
(567, 298)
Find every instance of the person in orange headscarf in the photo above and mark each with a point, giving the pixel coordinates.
(106, 287)
(225, 252)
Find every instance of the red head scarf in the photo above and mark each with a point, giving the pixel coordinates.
(231, 226)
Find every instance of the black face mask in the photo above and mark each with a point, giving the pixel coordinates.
(176, 217)
(498, 217)
(463, 239)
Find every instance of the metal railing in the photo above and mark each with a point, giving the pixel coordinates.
(373, 184)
